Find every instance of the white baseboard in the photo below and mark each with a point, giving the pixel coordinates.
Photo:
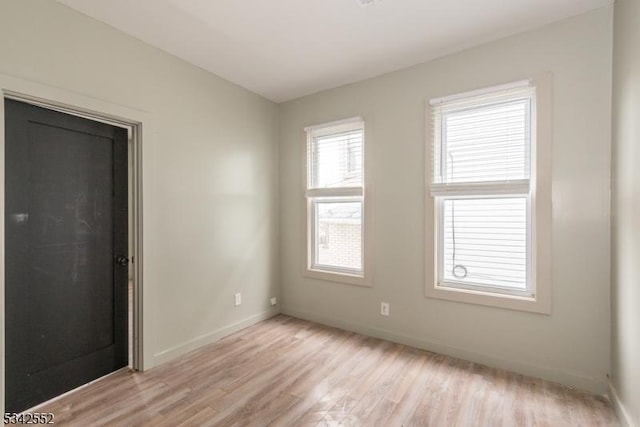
(619, 408)
(578, 381)
(179, 350)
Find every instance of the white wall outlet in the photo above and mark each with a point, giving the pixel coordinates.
(384, 308)
(238, 299)
(274, 301)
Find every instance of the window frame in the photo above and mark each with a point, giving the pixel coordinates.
(471, 190)
(313, 196)
(537, 297)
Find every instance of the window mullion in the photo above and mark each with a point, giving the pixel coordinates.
(335, 192)
(461, 189)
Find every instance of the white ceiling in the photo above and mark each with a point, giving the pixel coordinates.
(284, 49)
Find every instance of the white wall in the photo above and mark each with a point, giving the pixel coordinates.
(210, 168)
(572, 344)
(625, 361)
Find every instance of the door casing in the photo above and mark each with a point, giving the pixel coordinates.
(133, 120)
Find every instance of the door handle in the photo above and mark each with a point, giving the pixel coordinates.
(122, 260)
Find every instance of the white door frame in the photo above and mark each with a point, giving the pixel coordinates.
(138, 122)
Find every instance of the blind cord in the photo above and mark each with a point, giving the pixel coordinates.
(459, 271)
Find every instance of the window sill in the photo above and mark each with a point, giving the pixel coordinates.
(534, 304)
(349, 279)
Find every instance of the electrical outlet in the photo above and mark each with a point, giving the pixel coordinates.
(238, 299)
(274, 301)
(384, 308)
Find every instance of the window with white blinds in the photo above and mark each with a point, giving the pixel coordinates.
(335, 198)
(481, 185)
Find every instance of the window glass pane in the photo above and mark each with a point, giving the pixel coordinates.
(486, 143)
(338, 238)
(336, 160)
(485, 242)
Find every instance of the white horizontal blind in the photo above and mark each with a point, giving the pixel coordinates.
(485, 241)
(485, 138)
(335, 160)
(482, 164)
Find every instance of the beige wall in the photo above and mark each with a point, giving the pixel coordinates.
(210, 168)
(625, 360)
(572, 344)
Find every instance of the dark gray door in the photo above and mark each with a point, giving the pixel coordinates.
(66, 219)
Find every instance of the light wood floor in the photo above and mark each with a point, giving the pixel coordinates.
(289, 372)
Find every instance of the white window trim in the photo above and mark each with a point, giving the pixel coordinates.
(364, 192)
(540, 224)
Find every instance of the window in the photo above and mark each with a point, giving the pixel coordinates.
(487, 156)
(336, 201)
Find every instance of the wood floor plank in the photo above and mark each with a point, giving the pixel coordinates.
(407, 402)
(290, 372)
(317, 392)
(373, 392)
